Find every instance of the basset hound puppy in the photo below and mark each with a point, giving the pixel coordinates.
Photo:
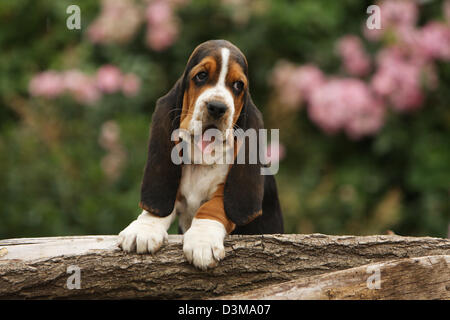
(210, 200)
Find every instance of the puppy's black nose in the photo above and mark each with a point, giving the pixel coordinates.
(216, 109)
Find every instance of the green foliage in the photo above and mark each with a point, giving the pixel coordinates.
(51, 177)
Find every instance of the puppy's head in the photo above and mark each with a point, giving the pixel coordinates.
(215, 86)
(212, 93)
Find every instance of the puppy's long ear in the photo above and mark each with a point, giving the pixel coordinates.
(161, 176)
(244, 187)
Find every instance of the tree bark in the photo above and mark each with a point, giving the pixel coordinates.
(37, 268)
(415, 278)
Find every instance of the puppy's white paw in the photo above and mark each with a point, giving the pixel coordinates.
(145, 234)
(203, 243)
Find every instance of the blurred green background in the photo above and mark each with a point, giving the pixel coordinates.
(68, 167)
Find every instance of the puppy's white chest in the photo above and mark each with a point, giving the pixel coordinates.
(198, 184)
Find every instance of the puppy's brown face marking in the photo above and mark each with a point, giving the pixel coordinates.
(217, 79)
(237, 81)
(201, 77)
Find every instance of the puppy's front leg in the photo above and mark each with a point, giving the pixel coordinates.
(145, 234)
(203, 242)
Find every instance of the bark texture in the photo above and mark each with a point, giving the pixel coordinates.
(415, 278)
(37, 268)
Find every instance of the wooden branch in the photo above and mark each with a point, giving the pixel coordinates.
(414, 278)
(37, 268)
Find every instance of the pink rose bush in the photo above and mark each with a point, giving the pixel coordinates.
(397, 77)
(346, 104)
(130, 84)
(162, 27)
(117, 23)
(355, 60)
(294, 84)
(397, 16)
(109, 78)
(46, 84)
(85, 89)
(435, 40)
(120, 20)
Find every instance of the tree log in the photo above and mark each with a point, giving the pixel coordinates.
(37, 268)
(415, 278)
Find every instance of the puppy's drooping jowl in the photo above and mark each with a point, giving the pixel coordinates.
(210, 199)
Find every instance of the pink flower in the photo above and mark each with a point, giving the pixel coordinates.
(356, 61)
(161, 37)
(47, 84)
(399, 78)
(394, 14)
(399, 13)
(349, 105)
(385, 79)
(327, 107)
(280, 79)
(162, 28)
(365, 118)
(435, 40)
(383, 82)
(428, 43)
(131, 84)
(96, 33)
(158, 12)
(306, 79)
(117, 23)
(294, 84)
(408, 42)
(87, 92)
(109, 78)
(81, 86)
(73, 79)
(407, 98)
(276, 152)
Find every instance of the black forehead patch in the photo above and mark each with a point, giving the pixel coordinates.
(213, 48)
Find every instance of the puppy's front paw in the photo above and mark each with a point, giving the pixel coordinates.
(142, 236)
(203, 243)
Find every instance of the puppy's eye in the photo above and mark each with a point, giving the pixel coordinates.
(238, 86)
(200, 77)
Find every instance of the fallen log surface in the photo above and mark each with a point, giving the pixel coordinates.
(414, 278)
(42, 268)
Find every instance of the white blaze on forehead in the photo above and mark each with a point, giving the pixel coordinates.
(224, 68)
